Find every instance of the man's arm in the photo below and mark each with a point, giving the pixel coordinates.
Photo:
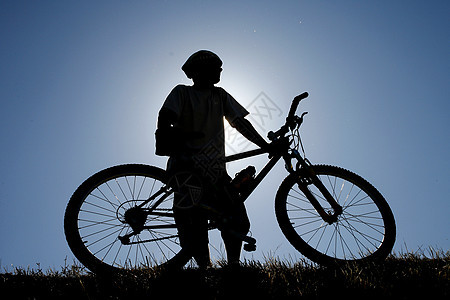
(166, 118)
(165, 136)
(248, 131)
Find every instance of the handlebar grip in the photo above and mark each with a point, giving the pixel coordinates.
(295, 103)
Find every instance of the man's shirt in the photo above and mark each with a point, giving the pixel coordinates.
(202, 112)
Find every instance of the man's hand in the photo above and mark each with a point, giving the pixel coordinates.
(277, 147)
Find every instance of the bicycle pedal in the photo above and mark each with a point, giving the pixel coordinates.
(250, 247)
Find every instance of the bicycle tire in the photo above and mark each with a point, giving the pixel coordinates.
(94, 219)
(364, 231)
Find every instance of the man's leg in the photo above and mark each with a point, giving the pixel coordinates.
(239, 223)
(193, 233)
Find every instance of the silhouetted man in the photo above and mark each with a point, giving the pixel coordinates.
(191, 131)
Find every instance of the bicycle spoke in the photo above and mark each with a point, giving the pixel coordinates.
(309, 223)
(329, 243)
(310, 211)
(319, 240)
(120, 188)
(103, 238)
(95, 213)
(332, 185)
(366, 237)
(100, 207)
(111, 246)
(300, 196)
(354, 197)
(140, 189)
(357, 241)
(94, 223)
(105, 198)
(372, 227)
(154, 234)
(99, 231)
(344, 243)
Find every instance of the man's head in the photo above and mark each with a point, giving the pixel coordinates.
(203, 67)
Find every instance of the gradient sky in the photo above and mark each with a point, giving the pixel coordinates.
(81, 83)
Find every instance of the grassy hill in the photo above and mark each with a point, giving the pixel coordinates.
(407, 276)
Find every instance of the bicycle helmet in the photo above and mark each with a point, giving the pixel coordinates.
(201, 60)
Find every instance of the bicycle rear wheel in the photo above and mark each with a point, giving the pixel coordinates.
(364, 231)
(108, 205)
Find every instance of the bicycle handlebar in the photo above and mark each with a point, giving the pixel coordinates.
(294, 105)
(289, 119)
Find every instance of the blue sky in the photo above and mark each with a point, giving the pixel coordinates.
(82, 82)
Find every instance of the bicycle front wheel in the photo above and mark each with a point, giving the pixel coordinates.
(110, 206)
(364, 231)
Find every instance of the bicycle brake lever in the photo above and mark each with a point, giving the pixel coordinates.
(301, 117)
(298, 120)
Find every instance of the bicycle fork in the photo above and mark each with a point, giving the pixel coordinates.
(307, 177)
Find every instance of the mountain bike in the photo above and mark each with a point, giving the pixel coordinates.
(122, 217)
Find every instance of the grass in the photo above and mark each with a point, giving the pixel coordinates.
(401, 276)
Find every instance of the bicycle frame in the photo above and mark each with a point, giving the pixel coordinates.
(260, 176)
(306, 176)
(165, 191)
(303, 169)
